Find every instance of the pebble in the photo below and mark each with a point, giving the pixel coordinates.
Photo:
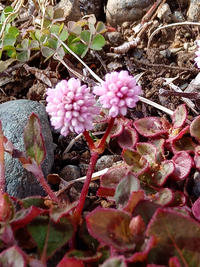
(193, 13)
(119, 11)
(14, 114)
(71, 9)
(70, 172)
(106, 161)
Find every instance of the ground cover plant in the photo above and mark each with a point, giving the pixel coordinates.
(150, 218)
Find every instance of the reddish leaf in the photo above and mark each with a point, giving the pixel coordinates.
(115, 262)
(7, 209)
(128, 138)
(145, 209)
(177, 133)
(12, 257)
(85, 256)
(65, 262)
(110, 180)
(195, 128)
(165, 170)
(111, 227)
(179, 116)
(179, 199)
(183, 163)
(33, 139)
(159, 144)
(134, 199)
(177, 235)
(117, 129)
(137, 162)
(184, 143)
(174, 262)
(148, 151)
(142, 255)
(164, 197)
(124, 189)
(105, 192)
(149, 127)
(196, 209)
(23, 217)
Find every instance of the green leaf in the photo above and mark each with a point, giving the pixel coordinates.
(14, 31)
(9, 39)
(23, 56)
(5, 64)
(33, 139)
(49, 235)
(34, 45)
(100, 28)
(86, 36)
(53, 43)
(98, 42)
(47, 52)
(55, 29)
(78, 48)
(58, 13)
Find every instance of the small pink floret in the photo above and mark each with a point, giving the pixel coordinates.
(197, 59)
(71, 106)
(118, 92)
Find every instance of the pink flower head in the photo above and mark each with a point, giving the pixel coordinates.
(118, 92)
(197, 59)
(71, 106)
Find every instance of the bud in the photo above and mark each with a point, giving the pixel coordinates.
(6, 209)
(137, 226)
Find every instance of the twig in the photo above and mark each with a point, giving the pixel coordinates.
(171, 25)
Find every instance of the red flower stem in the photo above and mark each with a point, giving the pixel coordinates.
(81, 202)
(2, 166)
(108, 130)
(37, 172)
(89, 140)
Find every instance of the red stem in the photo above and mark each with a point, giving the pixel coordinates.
(89, 140)
(79, 208)
(108, 130)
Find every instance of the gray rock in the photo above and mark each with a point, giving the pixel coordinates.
(13, 115)
(193, 13)
(119, 11)
(70, 172)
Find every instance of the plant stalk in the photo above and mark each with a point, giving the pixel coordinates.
(78, 211)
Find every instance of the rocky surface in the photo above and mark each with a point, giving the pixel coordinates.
(119, 11)
(13, 115)
(71, 9)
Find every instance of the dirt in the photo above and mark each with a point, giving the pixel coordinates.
(151, 62)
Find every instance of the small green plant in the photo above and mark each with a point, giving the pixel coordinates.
(80, 36)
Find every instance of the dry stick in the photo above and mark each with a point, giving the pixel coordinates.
(171, 25)
(147, 101)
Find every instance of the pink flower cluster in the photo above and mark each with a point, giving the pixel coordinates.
(197, 59)
(71, 106)
(118, 92)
